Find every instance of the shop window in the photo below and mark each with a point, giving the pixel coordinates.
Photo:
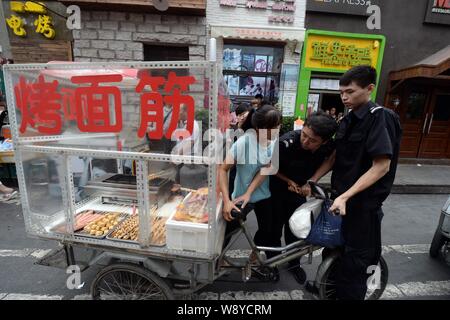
(442, 108)
(252, 70)
(415, 105)
(166, 53)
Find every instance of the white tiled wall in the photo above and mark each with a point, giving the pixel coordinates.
(222, 15)
(242, 16)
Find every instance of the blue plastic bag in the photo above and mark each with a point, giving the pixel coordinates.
(326, 230)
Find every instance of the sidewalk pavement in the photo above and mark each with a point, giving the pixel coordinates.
(417, 178)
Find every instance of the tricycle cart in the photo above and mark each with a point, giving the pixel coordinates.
(111, 163)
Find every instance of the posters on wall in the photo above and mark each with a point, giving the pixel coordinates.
(288, 103)
(251, 86)
(324, 84)
(261, 63)
(248, 62)
(313, 102)
(232, 59)
(288, 88)
(232, 82)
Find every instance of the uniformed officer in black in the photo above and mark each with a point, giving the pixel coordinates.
(301, 152)
(364, 165)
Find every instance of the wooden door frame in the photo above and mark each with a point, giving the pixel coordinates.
(434, 92)
(404, 93)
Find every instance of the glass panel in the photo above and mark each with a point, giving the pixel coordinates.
(442, 108)
(415, 105)
(43, 175)
(110, 108)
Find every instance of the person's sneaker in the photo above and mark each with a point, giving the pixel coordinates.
(299, 274)
(311, 288)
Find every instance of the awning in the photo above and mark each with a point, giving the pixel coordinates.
(258, 33)
(435, 66)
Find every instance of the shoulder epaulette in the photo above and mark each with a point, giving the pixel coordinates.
(374, 109)
(288, 142)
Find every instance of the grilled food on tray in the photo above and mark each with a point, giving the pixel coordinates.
(194, 207)
(81, 220)
(129, 229)
(102, 225)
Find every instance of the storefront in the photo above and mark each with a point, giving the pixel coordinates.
(326, 56)
(261, 55)
(421, 96)
(37, 32)
(139, 30)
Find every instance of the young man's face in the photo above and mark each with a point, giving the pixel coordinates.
(309, 140)
(353, 96)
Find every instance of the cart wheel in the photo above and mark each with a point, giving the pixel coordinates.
(125, 281)
(437, 243)
(327, 273)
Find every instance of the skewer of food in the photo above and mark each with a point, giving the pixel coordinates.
(129, 229)
(81, 220)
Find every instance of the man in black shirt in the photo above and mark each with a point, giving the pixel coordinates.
(364, 165)
(301, 153)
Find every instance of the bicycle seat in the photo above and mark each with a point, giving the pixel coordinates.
(244, 211)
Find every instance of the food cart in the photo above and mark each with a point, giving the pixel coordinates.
(97, 171)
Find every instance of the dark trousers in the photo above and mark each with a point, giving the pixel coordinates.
(264, 236)
(353, 269)
(284, 206)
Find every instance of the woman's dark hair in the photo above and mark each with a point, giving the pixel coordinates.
(322, 124)
(241, 108)
(265, 117)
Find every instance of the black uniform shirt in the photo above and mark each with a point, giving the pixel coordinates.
(363, 135)
(297, 163)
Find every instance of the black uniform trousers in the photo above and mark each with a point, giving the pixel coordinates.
(353, 268)
(284, 205)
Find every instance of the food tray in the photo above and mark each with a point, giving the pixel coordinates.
(81, 231)
(160, 220)
(121, 217)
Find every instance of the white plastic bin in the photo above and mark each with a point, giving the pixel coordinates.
(189, 236)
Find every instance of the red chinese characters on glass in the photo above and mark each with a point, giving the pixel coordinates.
(96, 115)
(152, 104)
(68, 104)
(39, 103)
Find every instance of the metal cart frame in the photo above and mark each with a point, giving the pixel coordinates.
(194, 267)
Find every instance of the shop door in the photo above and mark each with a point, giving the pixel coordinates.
(436, 131)
(414, 118)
